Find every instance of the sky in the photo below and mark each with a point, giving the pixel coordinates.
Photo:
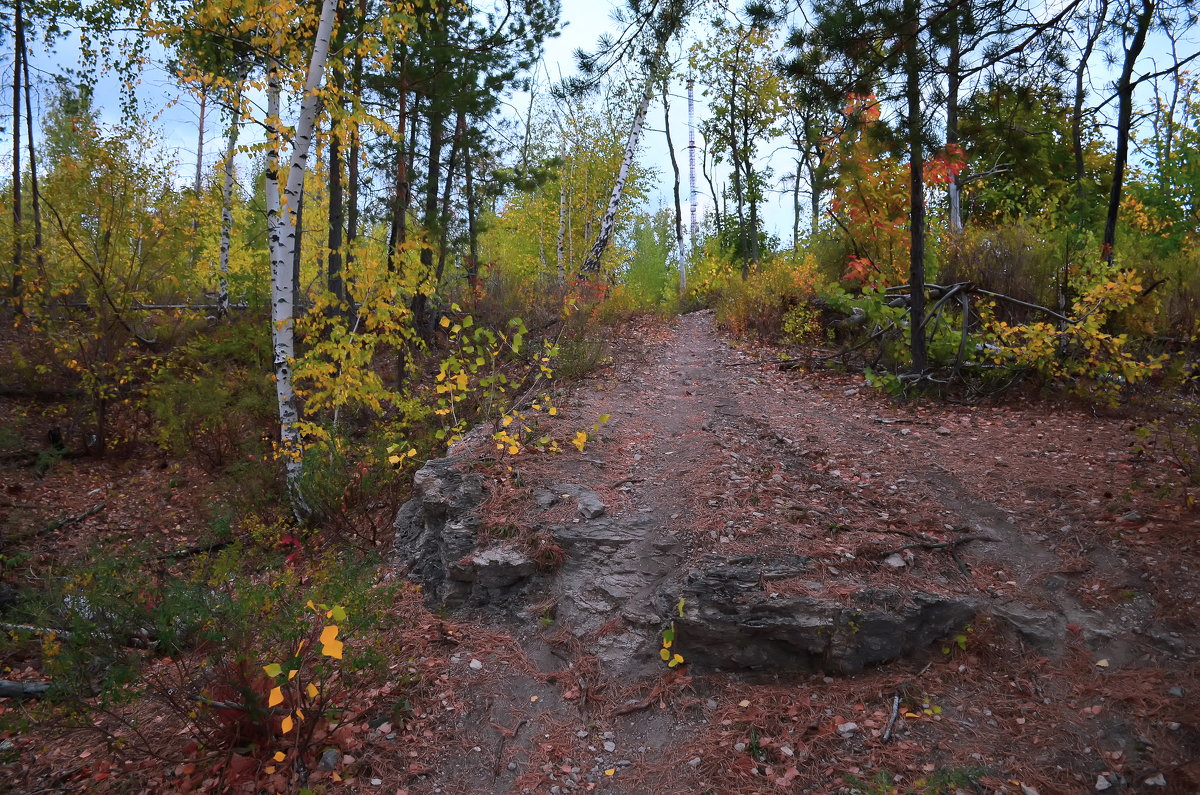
(175, 113)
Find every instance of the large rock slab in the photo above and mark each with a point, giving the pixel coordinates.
(731, 619)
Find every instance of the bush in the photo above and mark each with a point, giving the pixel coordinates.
(213, 401)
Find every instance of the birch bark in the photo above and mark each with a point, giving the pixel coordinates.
(609, 222)
(281, 234)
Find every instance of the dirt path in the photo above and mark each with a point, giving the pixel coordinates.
(1081, 662)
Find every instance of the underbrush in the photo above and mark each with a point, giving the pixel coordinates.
(240, 664)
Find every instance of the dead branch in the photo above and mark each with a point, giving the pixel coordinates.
(891, 724)
(33, 630)
(10, 689)
(933, 545)
(58, 524)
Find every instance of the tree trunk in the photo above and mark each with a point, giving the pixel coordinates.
(227, 203)
(460, 131)
(694, 228)
(35, 194)
(334, 267)
(560, 241)
(1125, 88)
(916, 280)
(353, 165)
(420, 301)
(18, 24)
(678, 204)
(282, 233)
(399, 232)
(608, 223)
(472, 232)
(1077, 108)
(953, 79)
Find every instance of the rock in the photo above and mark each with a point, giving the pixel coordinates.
(1176, 691)
(476, 665)
(731, 621)
(1132, 516)
(330, 759)
(1028, 790)
(850, 392)
(847, 729)
(610, 746)
(1041, 628)
(590, 505)
(498, 567)
(694, 761)
(1102, 782)
(895, 560)
(438, 527)
(944, 431)
(437, 538)
(1157, 780)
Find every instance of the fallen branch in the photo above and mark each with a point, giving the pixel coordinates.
(58, 524)
(505, 734)
(891, 724)
(637, 706)
(31, 629)
(196, 550)
(10, 689)
(932, 545)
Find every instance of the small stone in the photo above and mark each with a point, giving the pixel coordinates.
(1102, 782)
(739, 747)
(895, 561)
(694, 761)
(850, 392)
(581, 733)
(1027, 790)
(623, 763)
(330, 759)
(512, 765)
(1132, 516)
(1173, 726)
(847, 729)
(786, 750)
(376, 782)
(610, 746)
(1157, 780)
(905, 431)
(476, 665)
(944, 431)
(1176, 691)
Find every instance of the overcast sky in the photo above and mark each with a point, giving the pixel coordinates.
(175, 113)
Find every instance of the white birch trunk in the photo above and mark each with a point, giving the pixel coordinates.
(562, 212)
(954, 206)
(227, 207)
(609, 222)
(281, 233)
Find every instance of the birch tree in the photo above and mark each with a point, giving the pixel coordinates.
(649, 30)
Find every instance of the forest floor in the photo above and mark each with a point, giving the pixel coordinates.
(1080, 673)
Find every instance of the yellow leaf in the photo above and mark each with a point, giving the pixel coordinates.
(312, 690)
(276, 697)
(665, 654)
(331, 647)
(273, 670)
(287, 724)
(610, 772)
(444, 322)
(280, 756)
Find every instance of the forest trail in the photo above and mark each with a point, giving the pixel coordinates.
(1043, 520)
